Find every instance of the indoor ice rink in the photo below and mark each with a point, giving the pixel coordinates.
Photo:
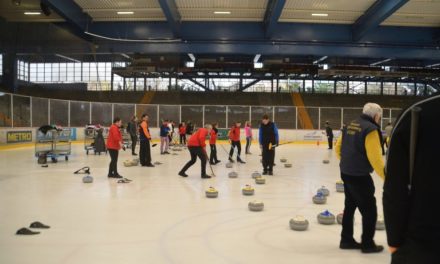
(297, 107)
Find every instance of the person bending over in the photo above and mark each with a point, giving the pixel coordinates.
(197, 148)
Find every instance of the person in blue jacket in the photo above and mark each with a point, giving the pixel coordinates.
(164, 140)
(268, 137)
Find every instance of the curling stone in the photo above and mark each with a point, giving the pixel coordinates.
(256, 175)
(248, 190)
(326, 218)
(380, 224)
(87, 179)
(299, 223)
(229, 165)
(324, 190)
(260, 180)
(288, 165)
(256, 206)
(340, 186)
(233, 174)
(283, 160)
(319, 198)
(339, 218)
(326, 161)
(128, 163)
(211, 192)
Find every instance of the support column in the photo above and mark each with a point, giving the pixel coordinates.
(112, 78)
(10, 72)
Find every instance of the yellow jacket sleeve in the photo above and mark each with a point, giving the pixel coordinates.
(338, 147)
(374, 153)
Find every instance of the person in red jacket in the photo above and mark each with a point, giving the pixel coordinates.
(234, 137)
(114, 144)
(182, 133)
(197, 148)
(212, 140)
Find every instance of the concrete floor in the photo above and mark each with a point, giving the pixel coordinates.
(163, 218)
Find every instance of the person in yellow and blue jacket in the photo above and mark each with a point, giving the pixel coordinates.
(360, 152)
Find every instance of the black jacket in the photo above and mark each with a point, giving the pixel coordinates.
(132, 128)
(329, 131)
(414, 214)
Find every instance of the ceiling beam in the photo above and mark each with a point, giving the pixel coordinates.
(198, 84)
(171, 12)
(244, 87)
(273, 12)
(374, 16)
(77, 20)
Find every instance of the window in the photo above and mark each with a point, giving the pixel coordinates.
(373, 87)
(341, 87)
(23, 70)
(324, 86)
(356, 87)
(389, 88)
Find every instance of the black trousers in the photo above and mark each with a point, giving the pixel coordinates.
(182, 139)
(330, 142)
(145, 153)
(133, 143)
(359, 193)
(213, 155)
(233, 145)
(412, 252)
(268, 158)
(113, 167)
(196, 152)
(248, 143)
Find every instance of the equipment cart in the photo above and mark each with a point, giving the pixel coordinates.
(52, 144)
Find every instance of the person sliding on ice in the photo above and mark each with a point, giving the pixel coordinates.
(360, 151)
(268, 137)
(164, 140)
(329, 133)
(114, 144)
(248, 132)
(145, 138)
(234, 137)
(197, 148)
(212, 141)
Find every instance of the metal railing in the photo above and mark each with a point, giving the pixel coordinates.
(26, 111)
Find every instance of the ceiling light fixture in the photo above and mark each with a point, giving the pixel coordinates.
(125, 12)
(320, 15)
(32, 13)
(222, 12)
